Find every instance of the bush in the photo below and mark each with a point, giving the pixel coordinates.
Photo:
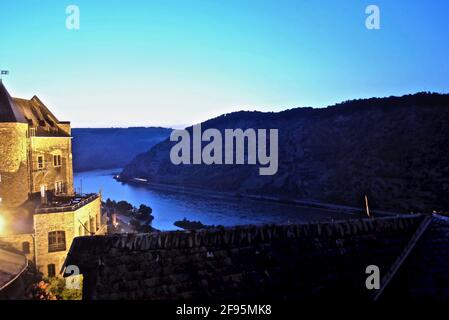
(58, 288)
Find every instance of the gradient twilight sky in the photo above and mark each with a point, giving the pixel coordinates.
(172, 63)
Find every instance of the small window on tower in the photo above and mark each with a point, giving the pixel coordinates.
(56, 241)
(57, 160)
(40, 162)
(26, 247)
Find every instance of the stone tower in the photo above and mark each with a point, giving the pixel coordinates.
(14, 149)
(36, 152)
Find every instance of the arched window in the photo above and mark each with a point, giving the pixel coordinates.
(51, 270)
(26, 247)
(56, 241)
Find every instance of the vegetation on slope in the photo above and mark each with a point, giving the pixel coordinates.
(394, 150)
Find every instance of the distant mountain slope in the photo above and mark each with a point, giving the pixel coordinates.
(112, 147)
(395, 150)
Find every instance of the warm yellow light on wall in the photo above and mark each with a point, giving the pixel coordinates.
(2, 224)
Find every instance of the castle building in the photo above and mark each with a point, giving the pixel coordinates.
(40, 213)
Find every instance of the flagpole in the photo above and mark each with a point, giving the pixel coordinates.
(3, 73)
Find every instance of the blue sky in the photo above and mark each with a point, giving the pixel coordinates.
(172, 63)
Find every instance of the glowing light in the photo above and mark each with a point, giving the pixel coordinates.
(2, 224)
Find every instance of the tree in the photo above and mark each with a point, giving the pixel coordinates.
(143, 209)
(124, 207)
(144, 228)
(144, 213)
(110, 203)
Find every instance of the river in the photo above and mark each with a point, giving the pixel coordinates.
(172, 205)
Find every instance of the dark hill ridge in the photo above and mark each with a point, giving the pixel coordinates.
(393, 149)
(107, 148)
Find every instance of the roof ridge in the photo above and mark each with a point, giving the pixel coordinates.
(239, 235)
(17, 98)
(411, 244)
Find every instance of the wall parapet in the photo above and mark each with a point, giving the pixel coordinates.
(68, 207)
(240, 235)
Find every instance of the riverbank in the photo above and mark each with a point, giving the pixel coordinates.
(173, 203)
(312, 204)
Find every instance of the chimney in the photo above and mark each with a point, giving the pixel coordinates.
(43, 195)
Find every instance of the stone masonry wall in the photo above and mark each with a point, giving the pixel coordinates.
(47, 147)
(14, 183)
(70, 223)
(247, 262)
(15, 242)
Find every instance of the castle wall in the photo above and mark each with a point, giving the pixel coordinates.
(84, 216)
(69, 222)
(50, 174)
(14, 175)
(16, 242)
(289, 262)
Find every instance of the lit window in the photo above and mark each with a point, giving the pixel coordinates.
(56, 241)
(40, 162)
(51, 268)
(59, 187)
(56, 160)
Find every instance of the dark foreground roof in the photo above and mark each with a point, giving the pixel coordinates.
(11, 266)
(323, 260)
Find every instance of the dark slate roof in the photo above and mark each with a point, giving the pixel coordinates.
(425, 273)
(9, 112)
(325, 260)
(39, 117)
(33, 112)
